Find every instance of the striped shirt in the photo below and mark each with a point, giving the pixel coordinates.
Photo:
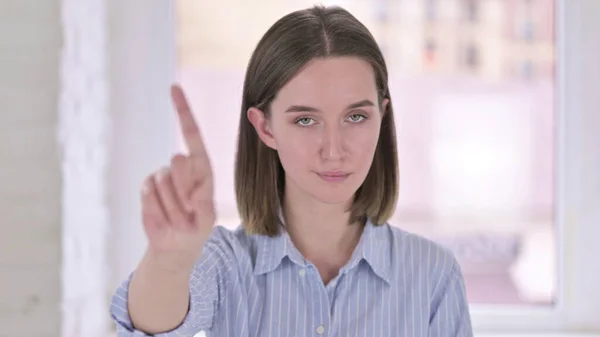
(395, 284)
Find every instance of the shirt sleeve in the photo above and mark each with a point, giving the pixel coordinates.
(208, 284)
(450, 315)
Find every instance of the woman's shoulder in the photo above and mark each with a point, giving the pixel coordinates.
(420, 251)
(231, 243)
(232, 237)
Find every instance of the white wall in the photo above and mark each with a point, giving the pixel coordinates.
(81, 124)
(30, 176)
(54, 147)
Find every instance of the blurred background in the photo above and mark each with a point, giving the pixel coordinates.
(497, 117)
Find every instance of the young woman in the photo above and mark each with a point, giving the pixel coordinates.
(316, 181)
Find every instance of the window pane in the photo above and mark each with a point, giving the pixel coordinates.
(473, 88)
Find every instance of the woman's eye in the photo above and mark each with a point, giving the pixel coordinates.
(304, 121)
(357, 118)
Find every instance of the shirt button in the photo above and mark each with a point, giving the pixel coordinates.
(320, 329)
(302, 272)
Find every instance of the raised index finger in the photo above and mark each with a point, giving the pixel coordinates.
(189, 127)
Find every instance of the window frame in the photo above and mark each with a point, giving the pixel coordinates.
(578, 300)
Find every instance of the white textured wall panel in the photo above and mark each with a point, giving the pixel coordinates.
(84, 123)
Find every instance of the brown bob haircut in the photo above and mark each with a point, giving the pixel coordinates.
(283, 51)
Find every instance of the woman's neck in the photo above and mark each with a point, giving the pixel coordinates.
(322, 233)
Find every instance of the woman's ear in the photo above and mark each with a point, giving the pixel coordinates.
(261, 124)
(384, 105)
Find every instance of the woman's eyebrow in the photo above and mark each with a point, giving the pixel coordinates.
(305, 108)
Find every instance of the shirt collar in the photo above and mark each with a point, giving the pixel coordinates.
(272, 250)
(373, 248)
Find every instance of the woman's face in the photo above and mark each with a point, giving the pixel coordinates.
(324, 124)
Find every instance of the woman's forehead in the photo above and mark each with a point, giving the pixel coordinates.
(340, 80)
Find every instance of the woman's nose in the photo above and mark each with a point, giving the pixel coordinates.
(332, 147)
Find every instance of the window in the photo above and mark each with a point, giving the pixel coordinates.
(528, 31)
(430, 9)
(480, 151)
(429, 51)
(471, 57)
(471, 9)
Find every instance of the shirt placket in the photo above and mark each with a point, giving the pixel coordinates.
(321, 320)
